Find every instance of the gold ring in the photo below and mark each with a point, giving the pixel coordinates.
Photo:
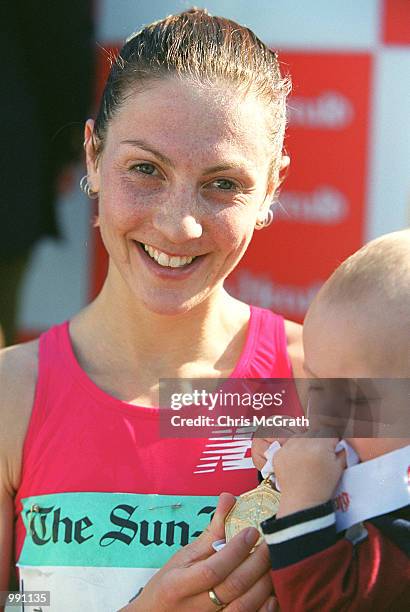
(215, 599)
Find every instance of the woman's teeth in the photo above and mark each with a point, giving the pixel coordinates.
(165, 260)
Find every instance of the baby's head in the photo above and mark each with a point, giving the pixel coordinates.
(358, 326)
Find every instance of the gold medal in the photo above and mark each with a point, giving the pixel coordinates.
(251, 508)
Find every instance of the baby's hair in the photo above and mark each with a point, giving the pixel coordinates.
(381, 268)
(369, 294)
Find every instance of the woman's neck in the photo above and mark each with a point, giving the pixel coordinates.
(210, 335)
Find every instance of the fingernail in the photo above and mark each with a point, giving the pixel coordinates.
(251, 536)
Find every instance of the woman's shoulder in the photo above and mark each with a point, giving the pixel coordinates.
(18, 375)
(293, 332)
(18, 370)
(295, 347)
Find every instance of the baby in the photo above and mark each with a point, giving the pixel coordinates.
(352, 555)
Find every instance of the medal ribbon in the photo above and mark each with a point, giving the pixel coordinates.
(367, 489)
(373, 488)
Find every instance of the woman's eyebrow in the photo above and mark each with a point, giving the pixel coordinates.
(141, 144)
(222, 167)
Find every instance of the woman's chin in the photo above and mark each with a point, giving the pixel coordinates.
(171, 306)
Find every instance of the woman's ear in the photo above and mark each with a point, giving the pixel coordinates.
(277, 179)
(283, 169)
(91, 156)
(278, 176)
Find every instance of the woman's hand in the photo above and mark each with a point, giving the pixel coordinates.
(241, 581)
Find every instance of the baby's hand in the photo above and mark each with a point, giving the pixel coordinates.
(308, 470)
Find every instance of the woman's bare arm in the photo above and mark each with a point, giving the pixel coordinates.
(18, 370)
(6, 535)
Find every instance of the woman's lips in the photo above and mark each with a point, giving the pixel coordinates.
(167, 271)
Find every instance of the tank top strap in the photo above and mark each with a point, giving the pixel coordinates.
(268, 357)
(49, 372)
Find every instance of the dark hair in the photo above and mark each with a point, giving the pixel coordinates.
(206, 49)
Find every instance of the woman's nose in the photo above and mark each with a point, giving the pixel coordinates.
(176, 225)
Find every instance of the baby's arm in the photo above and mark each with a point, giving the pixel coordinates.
(317, 570)
(312, 567)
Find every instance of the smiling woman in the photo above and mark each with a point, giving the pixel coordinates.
(185, 156)
(189, 184)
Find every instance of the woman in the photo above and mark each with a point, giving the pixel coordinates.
(185, 156)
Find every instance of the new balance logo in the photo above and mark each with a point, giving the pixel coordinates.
(229, 449)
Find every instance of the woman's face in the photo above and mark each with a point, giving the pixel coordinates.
(182, 179)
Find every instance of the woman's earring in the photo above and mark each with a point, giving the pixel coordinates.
(85, 188)
(267, 220)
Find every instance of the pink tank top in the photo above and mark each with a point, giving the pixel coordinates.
(103, 500)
